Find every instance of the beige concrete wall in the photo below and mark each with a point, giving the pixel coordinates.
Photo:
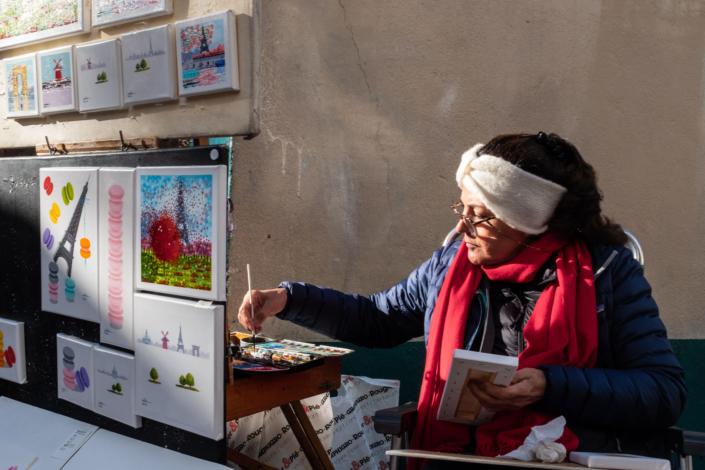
(368, 105)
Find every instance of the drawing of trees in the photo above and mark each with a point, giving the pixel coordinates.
(102, 77)
(189, 380)
(143, 64)
(154, 375)
(116, 389)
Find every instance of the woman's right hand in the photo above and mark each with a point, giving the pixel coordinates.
(267, 303)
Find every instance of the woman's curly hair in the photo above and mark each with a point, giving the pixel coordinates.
(579, 212)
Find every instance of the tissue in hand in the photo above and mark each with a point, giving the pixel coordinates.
(541, 445)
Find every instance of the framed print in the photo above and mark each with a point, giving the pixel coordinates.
(12, 354)
(21, 86)
(25, 22)
(115, 385)
(149, 65)
(207, 48)
(99, 67)
(116, 218)
(180, 222)
(68, 225)
(112, 12)
(57, 72)
(74, 364)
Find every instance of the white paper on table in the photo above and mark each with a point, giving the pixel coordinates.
(619, 461)
(72, 444)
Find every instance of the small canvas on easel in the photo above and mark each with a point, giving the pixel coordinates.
(74, 362)
(21, 86)
(180, 219)
(68, 224)
(179, 363)
(117, 235)
(12, 353)
(149, 66)
(207, 48)
(115, 385)
(99, 76)
(58, 80)
(113, 12)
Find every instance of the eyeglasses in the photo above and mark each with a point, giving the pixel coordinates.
(459, 210)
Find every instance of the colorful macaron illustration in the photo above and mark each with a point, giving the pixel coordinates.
(115, 308)
(48, 185)
(85, 248)
(48, 239)
(67, 193)
(53, 282)
(76, 380)
(54, 213)
(7, 357)
(70, 290)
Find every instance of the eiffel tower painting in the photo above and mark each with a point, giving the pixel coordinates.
(70, 235)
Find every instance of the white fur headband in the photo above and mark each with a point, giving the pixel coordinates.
(522, 200)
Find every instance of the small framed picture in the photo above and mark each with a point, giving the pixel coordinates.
(57, 72)
(99, 67)
(149, 65)
(21, 86)
(207, 49)
(112, 12)
(28, 22)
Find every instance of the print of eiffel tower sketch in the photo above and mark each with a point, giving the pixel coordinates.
(70, 235)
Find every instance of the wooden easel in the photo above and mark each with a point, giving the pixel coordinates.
(249, 395)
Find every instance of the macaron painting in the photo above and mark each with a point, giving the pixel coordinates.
(12, 353)
(68, 224)
(75, 370)
(116, 232)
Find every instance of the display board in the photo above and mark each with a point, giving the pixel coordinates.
(21, 285)
(225, 113)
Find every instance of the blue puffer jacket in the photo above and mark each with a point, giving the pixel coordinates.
(636, 384)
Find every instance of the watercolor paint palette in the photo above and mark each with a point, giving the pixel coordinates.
(207, 48)
(180, 220)
(114, 379)
(116, 259)
(113, 12)
(74, 363)
(57, 75)
(12, 352)
(149, 65)
(179, 363)
(68, 224)
(21, 87)
(99, 67)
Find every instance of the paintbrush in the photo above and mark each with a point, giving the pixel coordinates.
(252, 308)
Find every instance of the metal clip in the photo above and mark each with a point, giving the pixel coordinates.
(125, 147)
(54, 150)
(231, 223)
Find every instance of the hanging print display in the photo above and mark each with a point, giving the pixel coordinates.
(25, 22)
(68, 224)
(12, 353)
(112, 12)
(116, 259)
(57, 74)
(99, 68)
(21, 86)
(114, 379)
(180, 219)
(149, 66)
(179, 363)
(207, 48)
(74, 363)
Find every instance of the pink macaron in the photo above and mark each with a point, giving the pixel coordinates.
(69, 374)
(115, 320)
(114, 282)
(115, 215)
(114, 302)
(115, 206)
(116, 191)
(115, 267)
(70, 384)
(115, 290)
(115, 233)
(115, 224)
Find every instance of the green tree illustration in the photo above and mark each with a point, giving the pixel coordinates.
(143, 64)
(118, 387)
(137, 67)
(190, 380)
(153, 374)
(182, 380)
(114, 388)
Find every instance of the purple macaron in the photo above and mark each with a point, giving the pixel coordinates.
(82, 380)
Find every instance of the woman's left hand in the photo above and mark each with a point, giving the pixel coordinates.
(528, 387)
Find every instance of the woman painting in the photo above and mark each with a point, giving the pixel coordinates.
(540, 274)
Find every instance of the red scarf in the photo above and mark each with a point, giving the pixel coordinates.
(562, 330)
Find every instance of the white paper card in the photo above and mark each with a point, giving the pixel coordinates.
(68, 224)
(99, 68)
(72, 444)
(12, 352)
(207, 48)
(21, 89)
(74, 364)
(117, 236)
(149, 65)
(57, 79)
(115, 385)
(179, 363)
(180, 222)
